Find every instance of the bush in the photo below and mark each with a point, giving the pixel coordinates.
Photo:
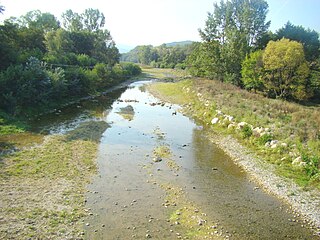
(131, 69)
(312, 164)
(246, 131)
(265, 138)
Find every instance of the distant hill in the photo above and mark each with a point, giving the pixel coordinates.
(182, 43)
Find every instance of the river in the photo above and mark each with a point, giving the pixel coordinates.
(192, 191)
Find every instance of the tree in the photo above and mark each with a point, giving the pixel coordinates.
(145, 54)
(93, 19)
(72, 21)
(36, 19)
(237, 27)
(252, 71)
(308, 38)
(204, 61)
(286, 69)
(8, 45)
(58, 42)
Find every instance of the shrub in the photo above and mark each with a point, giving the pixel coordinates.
(312, 164)
(265, 138)
(246, 131)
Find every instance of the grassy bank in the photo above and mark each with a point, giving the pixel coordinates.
(42, 187)
(283, 134)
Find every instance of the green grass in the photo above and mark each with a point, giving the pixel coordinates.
(295, 125)
(10, 125)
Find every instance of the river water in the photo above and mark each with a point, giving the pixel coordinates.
(127, 198)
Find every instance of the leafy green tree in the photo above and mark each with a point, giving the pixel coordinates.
(58, 42)
(204, 61)
(36, 19)
(145, 54)
(93, 19)
(72, 21)
(286, 69)
(236, 26)
(8, 45)
(83, 42)
(308, 38)
(252, 71)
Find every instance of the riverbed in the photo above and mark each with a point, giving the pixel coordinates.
(160, 177)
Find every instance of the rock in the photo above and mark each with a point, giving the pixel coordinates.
(214, 121)
(201, 222)
(242, 124)
(274, 146)
(303, 164)
(231, 126)
(148, 235)
(157, 159)
(219, 113)
(297, 162)
(258, 131)
(274, 142)
(229, 118)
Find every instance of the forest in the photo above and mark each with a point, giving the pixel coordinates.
(45, 62)
(237, 47)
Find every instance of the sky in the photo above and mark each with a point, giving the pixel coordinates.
(143, 22)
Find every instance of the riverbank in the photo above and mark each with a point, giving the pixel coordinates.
(271, 166)
(42, 187)
(44, 178)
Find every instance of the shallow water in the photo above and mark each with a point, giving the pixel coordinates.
(125, 199)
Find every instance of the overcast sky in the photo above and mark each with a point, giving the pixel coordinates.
(138, 22)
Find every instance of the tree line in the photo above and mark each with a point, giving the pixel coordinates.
(163, 56)
(44, 62)
(238, 48)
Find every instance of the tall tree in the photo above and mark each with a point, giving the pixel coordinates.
(252, 71)
(236, 26)
(93, 19)
(72, 21)
(36, 19)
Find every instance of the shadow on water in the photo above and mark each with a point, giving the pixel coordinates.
(70, 117)
(64, 120)
(126, 198)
